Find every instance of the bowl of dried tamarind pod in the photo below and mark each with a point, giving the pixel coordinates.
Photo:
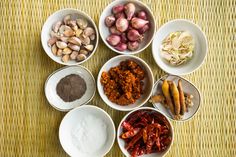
(176, 97)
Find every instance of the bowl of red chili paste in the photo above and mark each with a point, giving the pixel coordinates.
(145, 132)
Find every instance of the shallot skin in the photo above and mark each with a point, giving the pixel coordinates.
(122, 24)
(129, 10)
(138, 23)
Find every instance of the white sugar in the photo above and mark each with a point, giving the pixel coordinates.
(90, 135)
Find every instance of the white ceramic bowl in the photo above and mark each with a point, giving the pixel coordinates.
(53, 79)
(104, 30)
(148, 82)
(70, 125)
(200, 50)
(121, 142)
(188, 87)
(58, 16)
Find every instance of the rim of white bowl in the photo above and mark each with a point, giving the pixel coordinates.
(80, 13)
(130, 52)
(99, 77)
(143, 108)
(199, 93)
(97, 108)
(60, 69)
(205, 39)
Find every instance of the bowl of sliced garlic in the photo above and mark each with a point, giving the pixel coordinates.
(179, 47)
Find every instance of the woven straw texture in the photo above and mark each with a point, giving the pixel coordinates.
(29, 125)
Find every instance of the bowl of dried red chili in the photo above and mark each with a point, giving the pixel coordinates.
(145, 131)
(125, 82)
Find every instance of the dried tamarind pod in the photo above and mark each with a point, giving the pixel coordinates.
(182, 98)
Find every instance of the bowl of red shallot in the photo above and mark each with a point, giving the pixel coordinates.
(145, 132)
(127, 26)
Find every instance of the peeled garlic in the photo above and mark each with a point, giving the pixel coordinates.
(75, 40)
(85, 40)
(89, 47)
(59, 52)
(74, 47)
(65, 58)
(56, 26)
(52, 41)
(54, 49)
(82, 23)
(92, 37)
(81, 57)
(66, 51)
(78, 32)
(88, 32)
(64, 39)
(61, 44)
(73, 25)
(64, 28)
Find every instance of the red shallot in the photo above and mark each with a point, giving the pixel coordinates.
(122, 24)
(132, 46)
(117, 9)
(133, 35)
(138, 23)
(142, 15)
(121, 47)
(144, 29)
(113, 30)
(113, 39)
(110, 20)
(129, 10)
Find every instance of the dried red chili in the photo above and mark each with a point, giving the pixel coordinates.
(152, 134)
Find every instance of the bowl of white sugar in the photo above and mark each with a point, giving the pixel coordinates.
(87, 131)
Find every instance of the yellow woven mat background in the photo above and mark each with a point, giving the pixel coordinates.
(29, 125)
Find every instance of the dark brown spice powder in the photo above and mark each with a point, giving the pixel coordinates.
(71, 87)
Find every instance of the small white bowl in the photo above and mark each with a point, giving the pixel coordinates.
(200, 50)
(104, 30)
(70, 123)
(148, 82)
(53, 79)
(121, 142)
(188, 87)
(58, 16)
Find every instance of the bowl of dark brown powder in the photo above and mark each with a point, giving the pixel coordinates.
(70, 87)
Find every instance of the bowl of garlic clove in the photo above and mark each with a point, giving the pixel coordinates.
(69, 37)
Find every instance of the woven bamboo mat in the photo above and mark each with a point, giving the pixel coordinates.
(29, 126)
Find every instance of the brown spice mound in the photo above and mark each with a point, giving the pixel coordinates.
(123, 84)
(71, 87)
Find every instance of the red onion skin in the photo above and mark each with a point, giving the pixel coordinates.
(123, 38)
(129, 10)
(121, 47)
(121, 14)
(122, 24)
(117, 9)
(144, 29)
(113, 30)
(110, 20)
(133, 35)
(132, 46)
(142, 15)
(113, 39)
(138, 23)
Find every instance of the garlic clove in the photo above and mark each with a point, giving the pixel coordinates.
(129, 10)
(61, 44)
(122, 24)
(89, 47)
(66, 19)
(110, 20)
(85, 40)
(75, 40)
(59, 52)
(81, 57)
(53, 34)
(65, 58)
(82, 23)
(117, 9)
(52, 41)
(85, 52)
(63, 28)
(64, 39)
(88, 32)
(92, 37)
(113, 40)
(74, 47)
(54, 49)
(78, 32)
(73, 55)
(138, 23)
(56, 26)
(69, 33)
(66, 51)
